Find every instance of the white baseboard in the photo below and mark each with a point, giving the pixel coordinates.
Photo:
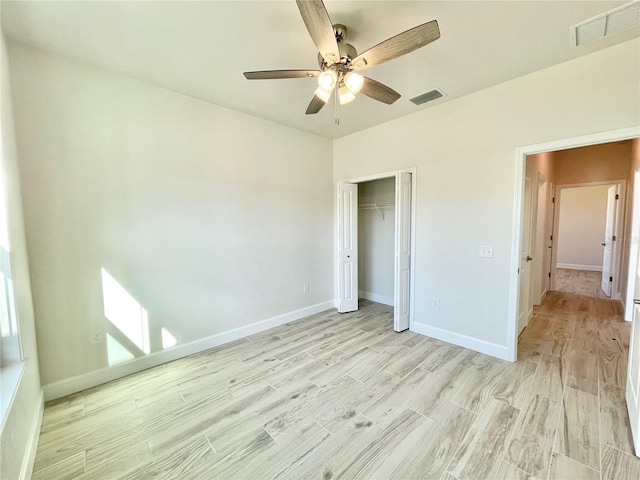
(574, 266)
(87, 380)
(488, 348)
(374, 297)
(26, 470)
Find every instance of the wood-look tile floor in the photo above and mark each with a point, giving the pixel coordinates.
(581, 282)
(343, 396)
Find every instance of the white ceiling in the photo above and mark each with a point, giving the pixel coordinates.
(201, 48)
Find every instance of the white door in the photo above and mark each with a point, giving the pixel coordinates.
(347, 247)
(633, 370)
(609, 233)
(525, 304)
(538, 275)
(401, 309)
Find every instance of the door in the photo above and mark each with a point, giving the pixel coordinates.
(401, 311)
(609, 239)
(633, 370)
(347, 247)
(548, 232)
(539, 276)
(525, 304)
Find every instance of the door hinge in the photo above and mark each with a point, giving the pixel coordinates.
(611, 279)
(553, 200)
(551, 237)
(614, 238)
(518, 271)
(617, 197)
(549, 274)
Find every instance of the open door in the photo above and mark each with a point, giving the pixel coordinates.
(525, 303)
(632, 393)
(348, 247)
(401, 311)
(609, 241)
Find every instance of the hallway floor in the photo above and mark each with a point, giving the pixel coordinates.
(581, 345)
(581, 282)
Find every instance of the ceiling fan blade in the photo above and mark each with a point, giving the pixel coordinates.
(397, 46)
(320, 28)
(315, 106)
(378, 91)
(276, 74)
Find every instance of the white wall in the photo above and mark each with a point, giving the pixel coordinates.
(19, 433)
(376, 241)
(583, 211)
(464, 151)
(211, 219)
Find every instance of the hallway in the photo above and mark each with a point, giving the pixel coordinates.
(581, 345)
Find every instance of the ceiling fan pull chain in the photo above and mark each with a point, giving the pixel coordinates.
(336, 116)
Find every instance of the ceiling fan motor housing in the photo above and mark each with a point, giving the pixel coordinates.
(347, 53)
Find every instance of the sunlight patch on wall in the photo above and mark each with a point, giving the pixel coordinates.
(116, 353)
(168, 340)
(125, 313)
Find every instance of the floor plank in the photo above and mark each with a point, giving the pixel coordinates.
(578, 430)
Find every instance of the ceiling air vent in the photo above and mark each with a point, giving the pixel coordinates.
(428, 97)
(625, 17)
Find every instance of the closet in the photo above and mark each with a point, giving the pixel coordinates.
(376, 237)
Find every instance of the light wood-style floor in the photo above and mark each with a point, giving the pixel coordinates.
(582, 282)
(343, 396)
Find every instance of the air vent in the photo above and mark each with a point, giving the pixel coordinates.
(625, 17)
(428, 97)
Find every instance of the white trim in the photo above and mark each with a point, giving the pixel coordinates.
(97, 377)
(482, 346)
(11, 378)
(573, 266)
(374, 297)
(516, 232)
(29, 459)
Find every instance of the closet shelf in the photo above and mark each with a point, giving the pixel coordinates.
(377, 206)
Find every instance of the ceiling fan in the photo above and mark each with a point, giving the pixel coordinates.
(339, 61)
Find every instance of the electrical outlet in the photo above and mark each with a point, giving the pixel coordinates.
(486, 251)
(435, 303)
(305, 288)
(97, 336)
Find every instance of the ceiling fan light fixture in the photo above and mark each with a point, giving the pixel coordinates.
(345, 95)
(327, 80)
(353, 82)
(323, 94)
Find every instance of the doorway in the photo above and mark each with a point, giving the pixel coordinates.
(588, 227)
(347, 252)
(521, 155)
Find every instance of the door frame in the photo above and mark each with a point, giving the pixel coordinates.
(518, 194)
(618, 229)
(379, 176)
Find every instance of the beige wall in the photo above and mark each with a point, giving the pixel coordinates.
(544, 164)
(23, 418)
(635, 154)
(609, 161)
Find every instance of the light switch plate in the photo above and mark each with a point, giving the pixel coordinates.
(486, 251)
